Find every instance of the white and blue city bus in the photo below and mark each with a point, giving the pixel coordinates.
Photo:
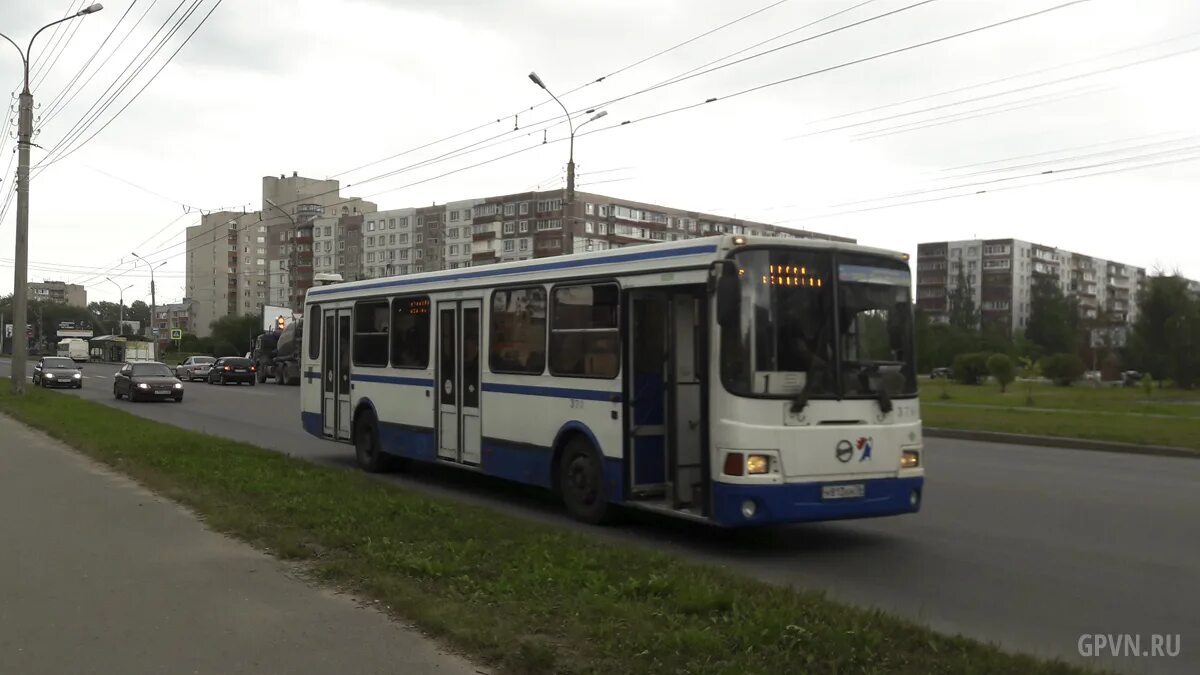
(734, 380)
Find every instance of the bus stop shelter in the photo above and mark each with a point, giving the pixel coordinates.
(119, 349)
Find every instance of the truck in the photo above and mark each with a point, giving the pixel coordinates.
(74, 348)
(276, 354)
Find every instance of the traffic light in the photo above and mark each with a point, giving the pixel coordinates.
(279, 322)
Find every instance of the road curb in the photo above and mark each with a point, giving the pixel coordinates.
(1061, 442)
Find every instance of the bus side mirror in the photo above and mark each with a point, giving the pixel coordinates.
(729, 293)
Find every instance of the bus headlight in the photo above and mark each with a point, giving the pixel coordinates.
(910, 459)
(758, 464)
(749, 508)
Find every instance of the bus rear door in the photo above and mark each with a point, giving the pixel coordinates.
(335, 375)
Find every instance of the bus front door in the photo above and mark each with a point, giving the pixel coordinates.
(666, 395)
(459, 423)
(335, 376)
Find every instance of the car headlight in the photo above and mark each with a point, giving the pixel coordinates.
(758, 464)
(49, 376)
(143, 385)
(78, 376)
(179, 385)
(910, 459)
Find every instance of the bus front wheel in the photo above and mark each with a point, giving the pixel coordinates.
(581, 482)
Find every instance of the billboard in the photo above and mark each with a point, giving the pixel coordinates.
(275, 317)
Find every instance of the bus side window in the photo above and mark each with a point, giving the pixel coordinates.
(314, 332)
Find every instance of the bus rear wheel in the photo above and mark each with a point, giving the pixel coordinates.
(367, 451)
(581, 482)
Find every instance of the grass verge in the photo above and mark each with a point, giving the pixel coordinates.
(525, 597)
(1178, 432)
(1169, 417)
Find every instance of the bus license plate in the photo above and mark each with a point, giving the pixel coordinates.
(843, 491)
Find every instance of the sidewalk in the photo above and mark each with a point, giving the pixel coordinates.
(100, 576)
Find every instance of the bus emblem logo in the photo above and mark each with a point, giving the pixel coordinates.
(864, 444)
(844, 451)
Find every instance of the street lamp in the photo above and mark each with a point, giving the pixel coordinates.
(153, 304)
(120, 304)
(569, 211)
(21, 256)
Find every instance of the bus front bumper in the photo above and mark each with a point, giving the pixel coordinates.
(741, 505)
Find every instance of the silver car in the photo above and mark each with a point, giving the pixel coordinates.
(194, 368)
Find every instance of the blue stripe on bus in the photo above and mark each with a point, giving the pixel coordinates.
(392, 379)
(311, 375)
(483, 274)
(553, 392)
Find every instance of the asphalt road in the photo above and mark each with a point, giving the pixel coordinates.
(1026, 547)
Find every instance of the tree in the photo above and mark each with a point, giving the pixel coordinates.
(140, 312)
(1166, 335)
(1053, 318)
(960, 303)
(970, 368)
(1002, 368)
(234, 335)
(1063, 368)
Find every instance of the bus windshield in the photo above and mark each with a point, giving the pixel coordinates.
(803, 330)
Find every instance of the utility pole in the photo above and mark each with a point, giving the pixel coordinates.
(121, 304)
(21, 256)
(153, 303)
(568, 208)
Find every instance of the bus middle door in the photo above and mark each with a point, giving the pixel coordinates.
(458, 368)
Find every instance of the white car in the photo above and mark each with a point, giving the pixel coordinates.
(194, 368)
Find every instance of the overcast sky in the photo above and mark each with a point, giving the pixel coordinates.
(324, 86)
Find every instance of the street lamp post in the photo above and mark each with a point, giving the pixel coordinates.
(153, 303)
(571, 150)
(120, 304)
(21, 256)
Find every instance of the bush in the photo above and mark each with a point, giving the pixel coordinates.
(970, 368)
(1002, 368)
(1063, 369)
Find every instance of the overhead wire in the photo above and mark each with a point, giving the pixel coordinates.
(548, 101)
(153, 77)
(40, 62)
(51, 108)
(57, 51)
(987, 96)
(735, 94)
(1055, 175)
(985, 111)
(63, 154)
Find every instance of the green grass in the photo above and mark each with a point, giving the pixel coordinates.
(1168, 417)
(524, 597)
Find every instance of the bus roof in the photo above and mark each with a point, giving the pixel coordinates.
(627, 260)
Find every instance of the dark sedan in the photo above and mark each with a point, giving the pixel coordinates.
(57, 371)
(232, 370)
(147, 381)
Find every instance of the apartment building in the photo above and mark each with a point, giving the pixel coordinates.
(177, 315)
(58, 291)
(1001, 273)
(238, 261)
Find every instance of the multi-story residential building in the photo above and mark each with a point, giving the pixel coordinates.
(60, 292)
(237, 262)
(176, 315)
(338, 245)
(1001, 274)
